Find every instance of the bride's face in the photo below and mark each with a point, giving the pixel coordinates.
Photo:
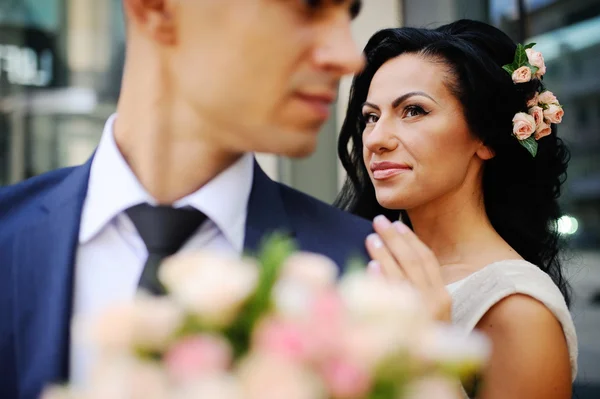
(417, 146)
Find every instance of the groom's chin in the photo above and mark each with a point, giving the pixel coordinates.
(296, 144)
(302, 150)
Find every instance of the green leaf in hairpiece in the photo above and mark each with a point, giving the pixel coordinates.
(520, 57)
(508, 68)
(530, 145)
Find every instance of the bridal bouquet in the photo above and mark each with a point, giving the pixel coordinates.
(279, 326)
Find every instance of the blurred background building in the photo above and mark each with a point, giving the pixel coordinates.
(60, 70)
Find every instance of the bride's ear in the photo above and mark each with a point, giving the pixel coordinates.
(484, 152)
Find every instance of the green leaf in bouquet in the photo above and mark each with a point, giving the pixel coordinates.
(528, 46)
(384, 390)
(355, 263)
(149, 355)
(472, 384)
(274, 250)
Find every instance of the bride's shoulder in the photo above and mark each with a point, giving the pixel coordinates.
(511, 275)
(487, 286)
(512, 284)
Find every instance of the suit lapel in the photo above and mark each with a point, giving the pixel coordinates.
(45, 253)
(266, 211)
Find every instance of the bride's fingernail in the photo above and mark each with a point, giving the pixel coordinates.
(382, 221)
(375, 240)
(401, 227)
(374, 267)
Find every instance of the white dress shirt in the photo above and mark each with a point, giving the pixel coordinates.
(111, 254)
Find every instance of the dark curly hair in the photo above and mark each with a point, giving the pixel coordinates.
(520, 192)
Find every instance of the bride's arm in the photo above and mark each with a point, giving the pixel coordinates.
(530, 359)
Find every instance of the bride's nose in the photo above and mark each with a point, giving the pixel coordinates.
(382, 138)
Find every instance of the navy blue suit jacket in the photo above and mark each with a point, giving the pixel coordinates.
(39, 229)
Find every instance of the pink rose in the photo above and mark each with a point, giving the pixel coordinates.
(521, 75)
(264, 376)
(543, 130)
(547, 97)
(523, 125)
(326, 324)
(346, 380)
(536, 59)
(197, 355)
(554, 113)
(533, 101)
(283, 339)
(537, 113)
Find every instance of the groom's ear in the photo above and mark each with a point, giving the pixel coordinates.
(484, 152)
(152, 18)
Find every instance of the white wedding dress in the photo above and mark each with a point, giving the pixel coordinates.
(477, 293)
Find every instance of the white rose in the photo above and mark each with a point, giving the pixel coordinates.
(453, 347)
(220, 385)
(374, 299)
(317, 271)
(210, 285)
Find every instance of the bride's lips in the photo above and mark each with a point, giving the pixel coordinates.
(385, 170)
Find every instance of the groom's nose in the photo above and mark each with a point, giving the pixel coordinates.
(337, 52)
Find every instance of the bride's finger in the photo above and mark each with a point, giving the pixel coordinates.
(430, 265)
(407, 258)
(383, 258)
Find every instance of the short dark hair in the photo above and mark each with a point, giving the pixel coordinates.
(522, 206)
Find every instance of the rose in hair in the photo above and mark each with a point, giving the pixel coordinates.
(547, 97)
(554, 113)
(542, 130)
(523, 125)
(533, 101)
(521, 75)
(536, 59)
(537, 113)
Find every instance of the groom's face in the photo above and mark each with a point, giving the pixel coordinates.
(263, 73)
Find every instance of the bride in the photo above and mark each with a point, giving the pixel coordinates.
(452, 132)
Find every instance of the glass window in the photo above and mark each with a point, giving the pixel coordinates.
(60, 71)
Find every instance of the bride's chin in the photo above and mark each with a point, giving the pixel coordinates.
(389, 202)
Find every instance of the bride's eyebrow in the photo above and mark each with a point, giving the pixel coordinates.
(402, 99)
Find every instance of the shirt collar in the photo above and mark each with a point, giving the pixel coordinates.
(113, 188)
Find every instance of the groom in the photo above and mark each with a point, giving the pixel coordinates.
(206, 84)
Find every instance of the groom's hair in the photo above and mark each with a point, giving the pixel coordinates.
(520, 191)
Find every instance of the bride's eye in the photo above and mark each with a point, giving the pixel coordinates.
(370, 118)
(414, 110)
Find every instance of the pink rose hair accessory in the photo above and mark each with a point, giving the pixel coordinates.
(543, 108)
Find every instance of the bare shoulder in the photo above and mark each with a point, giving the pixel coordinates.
(519, 311)
(530, 357)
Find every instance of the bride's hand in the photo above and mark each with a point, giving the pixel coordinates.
(399, 254)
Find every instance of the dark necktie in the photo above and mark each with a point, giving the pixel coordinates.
(164, 230)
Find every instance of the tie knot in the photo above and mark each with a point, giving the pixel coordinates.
(164, 229)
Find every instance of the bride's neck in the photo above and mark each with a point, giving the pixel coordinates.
(453, 227)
